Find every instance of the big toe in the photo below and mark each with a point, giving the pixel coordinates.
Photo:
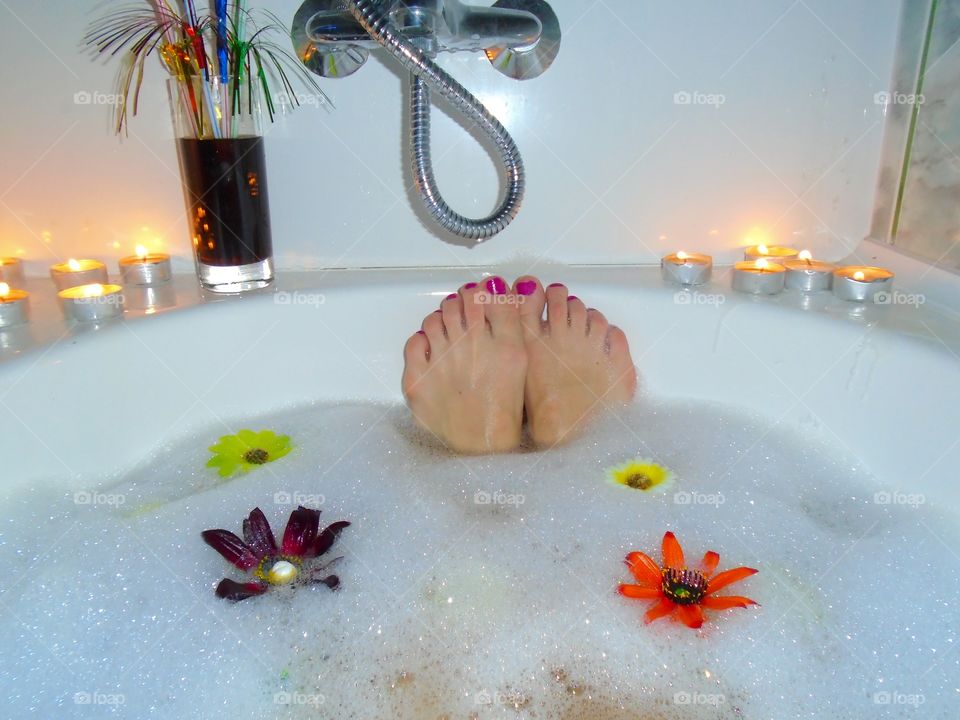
(530, 302)
(500, 307)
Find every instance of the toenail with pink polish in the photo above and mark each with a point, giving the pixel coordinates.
(527, 287)
(451, 296)
(420, 332)
(469, 286)
(555, 285)
(572, 297)
(496, 286)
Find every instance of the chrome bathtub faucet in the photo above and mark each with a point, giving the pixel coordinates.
(520, 38)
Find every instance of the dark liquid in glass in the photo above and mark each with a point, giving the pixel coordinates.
(226, 187)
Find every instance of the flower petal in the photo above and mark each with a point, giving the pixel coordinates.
(231, 590)
(728, 577)
(331, 581)
(690, 615)
(301, 531)
(672, 552)
(725, 602)
(664, 607)
(326, 538)
(258, 535)
(709, 563)
(640, 593)
(231, 547)
(248, 438)
(645, 570)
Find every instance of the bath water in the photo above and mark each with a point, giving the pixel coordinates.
(485, 587)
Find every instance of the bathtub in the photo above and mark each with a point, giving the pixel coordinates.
(881, 384)
(881, 381)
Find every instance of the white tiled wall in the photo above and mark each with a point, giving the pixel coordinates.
(618, 171)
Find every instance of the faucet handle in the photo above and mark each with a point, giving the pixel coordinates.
(524, 63)
(339, 56)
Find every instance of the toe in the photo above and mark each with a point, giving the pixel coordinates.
(499, 306)
(452, 311)
(577, 312)
(471, 301)
(433, 327)
(557, 317)
(416, 354)
(597, 325)
(624, 385)
(530, 302)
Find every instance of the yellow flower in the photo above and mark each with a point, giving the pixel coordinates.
(247, 449)
(641, 474)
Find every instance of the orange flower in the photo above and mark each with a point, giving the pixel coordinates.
(679, 590)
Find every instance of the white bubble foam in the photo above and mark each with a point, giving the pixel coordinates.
(476, 587)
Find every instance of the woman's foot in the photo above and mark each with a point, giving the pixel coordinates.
(465, 370)
(577, 363)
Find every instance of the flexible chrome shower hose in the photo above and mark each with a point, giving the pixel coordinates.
(424, 76)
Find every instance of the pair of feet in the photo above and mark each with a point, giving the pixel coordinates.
(489, 356)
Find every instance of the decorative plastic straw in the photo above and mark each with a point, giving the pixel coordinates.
(166, 16)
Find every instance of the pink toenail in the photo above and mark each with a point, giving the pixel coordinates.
(496, 286)
(420, 332)
(451, 296)
(527, 287)
(469, 286)
(572, 297)
(555, 285)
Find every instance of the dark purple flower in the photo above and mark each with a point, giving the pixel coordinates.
(291, 562)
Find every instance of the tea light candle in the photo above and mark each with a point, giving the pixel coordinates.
(91, 303)
(13, 306)
(776, 253)
(686, 268)
(807, 274)
(11, 271)
(860, 283)
(145, 268)
(73, 273)
(759, 277)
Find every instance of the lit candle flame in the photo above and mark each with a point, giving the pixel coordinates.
(73, 265)
(805, 255)
(762, 249)
(762, 264)
(95, 290)
(4, 289)
(681, 255)
(142, 252)
(858, 275)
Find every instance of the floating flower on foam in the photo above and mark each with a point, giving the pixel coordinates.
(641, 474)
(246, 450)
(294, 561)
(682, 592)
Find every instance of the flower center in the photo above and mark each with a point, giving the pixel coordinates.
(257, 456)
(278, 569)
(639, 481)
(684, 587)
(282, 572)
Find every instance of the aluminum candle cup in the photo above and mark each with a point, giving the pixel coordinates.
(11, 271)
(686, 268)
(759, 277)
(774, 253)
(73, 273)
(858, 283)
(809, 275)
(13, 306)
(145, 268)
(92, 303)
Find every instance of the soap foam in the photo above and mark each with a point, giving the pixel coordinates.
(482, 587)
